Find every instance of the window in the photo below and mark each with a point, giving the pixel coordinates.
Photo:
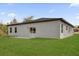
(10, 30)
(15, 29)
(33, 30)
(69, 29)
(66, 27)
(61, 28)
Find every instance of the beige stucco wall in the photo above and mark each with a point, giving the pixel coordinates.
(66, 33)
(50, 29)
(43, 30)
(47, 29)
(22, 31)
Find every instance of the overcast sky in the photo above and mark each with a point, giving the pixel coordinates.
(70, 12)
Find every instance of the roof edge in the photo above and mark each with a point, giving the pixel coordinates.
(66, 22)
(38, 20)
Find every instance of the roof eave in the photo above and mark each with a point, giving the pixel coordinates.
(66, 22)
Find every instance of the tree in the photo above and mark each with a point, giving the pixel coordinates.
(28, 19)
(3, 29)
(78, 26)
(11, 22)
(7, 23)
(14, 21)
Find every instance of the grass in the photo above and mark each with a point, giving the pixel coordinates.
(39, 46)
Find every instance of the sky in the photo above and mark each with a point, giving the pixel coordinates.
(68, 11)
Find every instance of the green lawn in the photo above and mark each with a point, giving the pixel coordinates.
(39, 46)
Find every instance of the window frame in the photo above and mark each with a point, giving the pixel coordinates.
(15, 29)
(10, 29)
(69, 29)
(32, 30)
(61, 28)
(66, 27)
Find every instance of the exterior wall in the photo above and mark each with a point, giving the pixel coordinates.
(22, 31)
(50, 29)
(47, 29)
(43, 30)
(66, 33)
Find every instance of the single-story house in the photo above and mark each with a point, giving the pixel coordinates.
(42, 28)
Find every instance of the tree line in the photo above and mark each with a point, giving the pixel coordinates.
(14, 21)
